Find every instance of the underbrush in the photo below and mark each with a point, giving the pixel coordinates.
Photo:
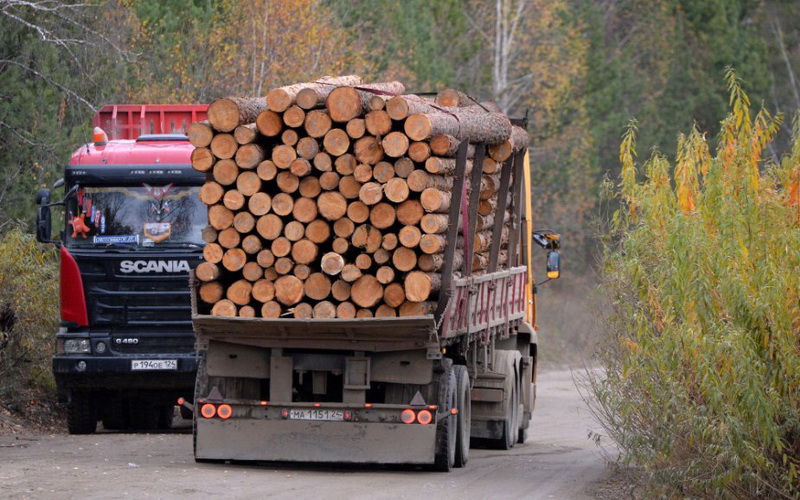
(28, 322)
(701, 354)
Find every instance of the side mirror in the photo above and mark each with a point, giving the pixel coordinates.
(553, 265)
(58, 183)
(43, 197)
(44, 225)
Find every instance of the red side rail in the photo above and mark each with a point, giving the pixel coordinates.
(129, 121)
(481, 303)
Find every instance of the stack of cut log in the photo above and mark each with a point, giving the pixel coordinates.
(330, 199)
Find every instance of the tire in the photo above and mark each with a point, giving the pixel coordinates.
(464, 416)
(523, 436)
(511, 425)
(81, 414)
(447, 426)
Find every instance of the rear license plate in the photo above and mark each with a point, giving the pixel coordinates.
(317, 414)
(154, 364)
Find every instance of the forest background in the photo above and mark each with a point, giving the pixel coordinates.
(581, 69)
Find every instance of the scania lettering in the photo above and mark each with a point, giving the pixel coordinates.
(154, 266)
(129, 236)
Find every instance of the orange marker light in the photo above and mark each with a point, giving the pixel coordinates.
(208, 410)
(424, 417)
(264, 403)
(408, 416)
(454, 411)
(224, 412)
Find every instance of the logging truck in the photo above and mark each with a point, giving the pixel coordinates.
(129, 236)
(366, 294)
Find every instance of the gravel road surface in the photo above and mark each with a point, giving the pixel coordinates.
(558, 461)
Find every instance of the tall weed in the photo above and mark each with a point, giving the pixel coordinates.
(702, 349)
(28, 318)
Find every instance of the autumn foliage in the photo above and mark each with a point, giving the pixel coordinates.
(702, 355)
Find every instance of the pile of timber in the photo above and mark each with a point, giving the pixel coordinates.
(330, 199)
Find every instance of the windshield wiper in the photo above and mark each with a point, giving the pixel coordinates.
(178, 244)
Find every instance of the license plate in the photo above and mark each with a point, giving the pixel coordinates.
(317, 414)
(154, 364)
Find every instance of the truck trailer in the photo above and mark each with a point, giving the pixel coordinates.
(410, 390)
(128, 240)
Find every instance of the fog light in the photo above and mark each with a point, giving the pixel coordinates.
(81, 366)
(77, 346)
(100, 347)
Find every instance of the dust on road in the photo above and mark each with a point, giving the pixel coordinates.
(558, 461)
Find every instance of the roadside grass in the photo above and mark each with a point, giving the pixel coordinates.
(701, 346)
(28, 322)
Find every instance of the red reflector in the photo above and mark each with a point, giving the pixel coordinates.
(224, 411)
(181, 401)
(316, 405)
(348, 416)
(408, 416)
(284, 413)
(424, 417)
(208, 410)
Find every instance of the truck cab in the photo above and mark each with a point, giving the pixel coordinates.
(129, 237)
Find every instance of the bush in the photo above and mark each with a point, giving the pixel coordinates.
(29, 299)
(702, 351)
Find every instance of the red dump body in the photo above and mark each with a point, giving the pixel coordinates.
(129, 121)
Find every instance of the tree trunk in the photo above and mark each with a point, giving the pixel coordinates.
(271, 309)
(419, 286)
(396, 189)
(303, 310)
(419, 151)
(220, 217)
(207, 271)
(419, 180)
(346, 310)
(385, 275)
(227, 113)
(318, 231)
(368, 150)
(445, 166)
(211, 292)
(383, 171)
(283, 156)
(378, 123)
(408, 309)
(346, 103)
(233, 199)
(434, 200)
(202, 159)
(362, 173)
(401, 107)
(248, 183)
(332, 205)
(259, 204)
(366, 291)
(317, 286)
(267, 170)
(340, 290)
(289, 290)
(325, 309)
(336, 142)
(265, 258)
(252, 272)
(317, 123)
(394, 295)
(403, 167)
(357, 212)
(210, 193)
(294, 117)
(409, 236)
(307, 95)
(371, 193)
(200, 134)
(307, 148)
(410, 212)
(269, 226)
(224, 146)
(404, 259)
(395, 144)
(249, 156)
(356, 128)
(382, 215)
(245, 134)
(251, 244)
(472, 124)
(282, 204)
(224, 308)
(234, 259)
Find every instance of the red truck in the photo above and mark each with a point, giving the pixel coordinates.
(129, 238)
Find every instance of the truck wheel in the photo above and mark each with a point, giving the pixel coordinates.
(81, 414)
(448, 425)
(464, 417)
(510, 423)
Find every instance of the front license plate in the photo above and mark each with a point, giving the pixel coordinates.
(317, 414)
(154, 364)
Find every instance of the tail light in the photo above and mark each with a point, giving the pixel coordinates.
(208, 410)
(408, 416)
(424, 417)
(224, 412)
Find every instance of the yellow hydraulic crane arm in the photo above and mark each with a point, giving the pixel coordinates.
(530, 296)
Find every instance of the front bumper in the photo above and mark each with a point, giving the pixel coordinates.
(116, 373)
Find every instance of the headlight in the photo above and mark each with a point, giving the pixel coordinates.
(100, 347)
(77, 346)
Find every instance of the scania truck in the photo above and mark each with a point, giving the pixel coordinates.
(128, 238)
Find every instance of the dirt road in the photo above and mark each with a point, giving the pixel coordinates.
(558, 461)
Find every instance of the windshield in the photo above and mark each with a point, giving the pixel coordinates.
(137, 217)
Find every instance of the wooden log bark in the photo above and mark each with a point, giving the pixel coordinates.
(419, 180)
(249, 156)
(211, 292)
(227, 113)
(395, 144)
(202, 159)
(401, 106)
(383, 171)
(224, 308)
(435, 262)
(420, 286)
(382, 215)
(346, 103)
(234, 200)
(366, 291)
(289, 290)
(409, 309)
(472, 124)
(267, 170)
(245, 134)
(211, 193)
(317, 286)
(368, 150)
(434, 200)
(307, 95)
(269, 226)
(200, 133)
(269, 123)
(224, 146)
